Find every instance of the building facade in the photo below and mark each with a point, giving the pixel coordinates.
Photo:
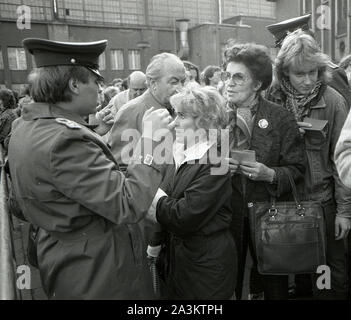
(331, 24)
(196, 30)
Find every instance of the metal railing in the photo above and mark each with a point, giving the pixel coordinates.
(8, 289)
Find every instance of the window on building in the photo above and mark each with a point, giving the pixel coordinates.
(253, 8)
(17, 58)
(117, 61)
(307, 6)
(341, 17)
(1, 61)
(164, 13)
(39, 9)
(134, 60)
(102, 61)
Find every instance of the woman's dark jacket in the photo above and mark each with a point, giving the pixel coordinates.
(200, 252)
(278, 145)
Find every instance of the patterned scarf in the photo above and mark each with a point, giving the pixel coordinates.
(241, 121)
(296, 103)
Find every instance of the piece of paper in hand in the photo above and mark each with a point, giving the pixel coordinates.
(243, 155)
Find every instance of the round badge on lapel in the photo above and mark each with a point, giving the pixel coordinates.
(263, 123)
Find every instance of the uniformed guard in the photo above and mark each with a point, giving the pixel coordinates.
(68, 183)
(280, 30)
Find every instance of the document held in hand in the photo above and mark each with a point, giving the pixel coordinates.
(319, 127)
(243, 155)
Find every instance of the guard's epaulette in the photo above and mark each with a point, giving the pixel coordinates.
(68, 123)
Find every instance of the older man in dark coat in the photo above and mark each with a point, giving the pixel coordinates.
(165, 76)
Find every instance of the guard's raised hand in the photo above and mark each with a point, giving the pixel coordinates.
(157, 123)
(105, 121)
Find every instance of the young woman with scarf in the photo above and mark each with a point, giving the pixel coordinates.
(301, 75)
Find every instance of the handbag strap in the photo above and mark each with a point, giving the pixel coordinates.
(293, 186)
(294, 192)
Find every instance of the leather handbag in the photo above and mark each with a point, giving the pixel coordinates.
(288, 237)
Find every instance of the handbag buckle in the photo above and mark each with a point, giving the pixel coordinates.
(300, 210)
(272, 212)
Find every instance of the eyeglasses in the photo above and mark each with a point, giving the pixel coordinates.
(237, 78)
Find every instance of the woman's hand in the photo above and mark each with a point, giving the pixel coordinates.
(233, 165)
(342, 227)
(257, 171)
(302, 126)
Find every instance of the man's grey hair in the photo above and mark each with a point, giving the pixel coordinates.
(157, 64)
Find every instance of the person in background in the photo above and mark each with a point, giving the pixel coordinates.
(137, 86)
(192, 73)
(194, 70)
(199, 253)
(108, 93)
(211, 76)
(343, 165)
(125, 85)
(272, 133)
(7, 115)
(16, 95)
(345, 64)
(117, 83)
(24, 96)
(341, 149)
(301, 83)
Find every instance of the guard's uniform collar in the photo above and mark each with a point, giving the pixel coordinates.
(38, 110)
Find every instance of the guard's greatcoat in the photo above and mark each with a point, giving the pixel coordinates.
(67, 183)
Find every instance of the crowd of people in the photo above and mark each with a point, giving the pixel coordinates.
(113, 175)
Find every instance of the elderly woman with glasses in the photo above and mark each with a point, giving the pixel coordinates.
(199, 255)
(272, 136)
(301, 76)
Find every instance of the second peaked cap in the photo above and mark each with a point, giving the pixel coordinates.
(281, 29)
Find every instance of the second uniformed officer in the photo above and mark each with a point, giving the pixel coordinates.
(68, 184)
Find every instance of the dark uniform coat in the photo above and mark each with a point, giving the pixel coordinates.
(67, 183)
(200, 255)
